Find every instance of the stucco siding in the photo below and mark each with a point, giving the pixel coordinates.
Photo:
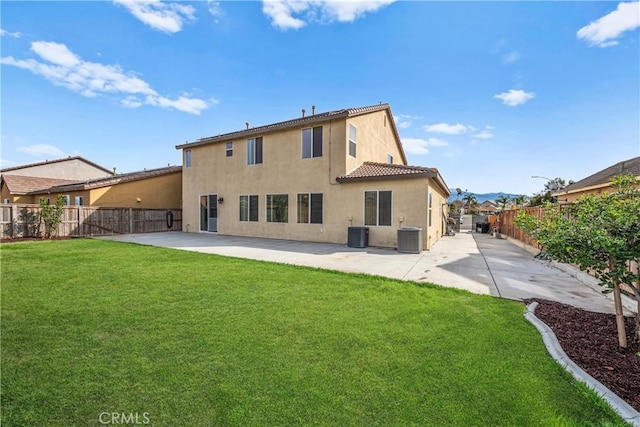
(72, 169)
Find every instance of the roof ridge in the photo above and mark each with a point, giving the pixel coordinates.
(47, 162)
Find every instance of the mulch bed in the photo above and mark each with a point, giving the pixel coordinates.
(591, 341)
(31, 239)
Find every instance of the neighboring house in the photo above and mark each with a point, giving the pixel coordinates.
(599, 182)
(154, 188)
(18, 181)
(488, 207)
(310, 179)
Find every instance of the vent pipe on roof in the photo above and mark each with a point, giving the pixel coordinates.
(114, 170)
(247, 123)
(313, 110)
(303, 111)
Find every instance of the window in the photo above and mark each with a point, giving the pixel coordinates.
(254, 151)
(249, 208)
(353, 134)
(277, 208)
(67, 199)
(389, 159)
(79, 201)
(7, 201)
(187, 158)
(312, 142)
(377, 208)
(310, 208)
(430, 206)
(229, 149)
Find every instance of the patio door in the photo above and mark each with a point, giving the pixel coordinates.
(209, 213)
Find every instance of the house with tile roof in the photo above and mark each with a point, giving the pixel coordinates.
(311, 179)
(159, 188)
(599, 182)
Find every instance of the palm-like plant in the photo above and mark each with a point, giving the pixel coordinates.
(520, 200)
(503, 201)
(470, 201)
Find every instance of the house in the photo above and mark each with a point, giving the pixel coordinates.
(18, 181)
(154, 188)
(310, 179)
(599, 182)
(149, 189)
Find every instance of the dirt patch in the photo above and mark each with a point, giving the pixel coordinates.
(30, 239)
(591, 341)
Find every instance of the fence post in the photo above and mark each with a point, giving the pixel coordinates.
(130, 220)
(14, 219)
(80, 222)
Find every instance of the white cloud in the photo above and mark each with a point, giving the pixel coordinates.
(515, 97)
(485, 134)
(448, 129)
(42, 151)
(282, 12)
(403, 121)
(604, 31)
(511, 57)
(214, 9)
(64, 68)
(420, 146)
(162, 16)
(5, 33)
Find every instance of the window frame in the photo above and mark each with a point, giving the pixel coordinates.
(378, 203)
(187, 158)
(389, 159)
(228, 149)
(78, 198)
(353, 142)
(251, 211)
(315, 148)
(429, 208)
(311, 216)
(271, 214)
(255, 151)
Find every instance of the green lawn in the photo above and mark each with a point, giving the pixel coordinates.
(184, 339)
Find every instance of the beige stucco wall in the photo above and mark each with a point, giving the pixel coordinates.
(71, 169)
(283, 171)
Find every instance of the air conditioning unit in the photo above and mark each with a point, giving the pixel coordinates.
(358, 237)
(410, 240)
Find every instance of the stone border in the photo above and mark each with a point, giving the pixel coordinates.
(550, 340)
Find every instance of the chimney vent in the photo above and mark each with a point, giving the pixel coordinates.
(313, 110)
(303, 111)
(247, 123)
(114, 170)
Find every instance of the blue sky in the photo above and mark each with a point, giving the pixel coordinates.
(490, 93)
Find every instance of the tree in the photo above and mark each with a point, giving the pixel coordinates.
(546, 195)
(520, 200)
(503, 201)
(601, 234)
(51, 215)
(470, 201)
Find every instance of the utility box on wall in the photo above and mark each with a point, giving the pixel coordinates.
(410, 240)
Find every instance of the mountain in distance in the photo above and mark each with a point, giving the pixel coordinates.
(480, 197)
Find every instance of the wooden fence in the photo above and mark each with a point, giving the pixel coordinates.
(19, 220)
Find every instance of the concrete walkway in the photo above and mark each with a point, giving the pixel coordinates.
(475, 262)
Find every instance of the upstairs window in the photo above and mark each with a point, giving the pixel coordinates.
(67, 199)
(310, 208)
(79, 201)
(187, 158)
(377, 208)
(229, 149)
(254, 151)
(353, 138)
(312, 142)
(389, 159)
(249, 208)
(277, 208)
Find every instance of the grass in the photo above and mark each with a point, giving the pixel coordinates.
(92, 327)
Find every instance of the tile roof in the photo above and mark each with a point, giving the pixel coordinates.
(631, 166)
(115, 179)
(306, 120)
(48, 162)
(18, 184)
(370, 171)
